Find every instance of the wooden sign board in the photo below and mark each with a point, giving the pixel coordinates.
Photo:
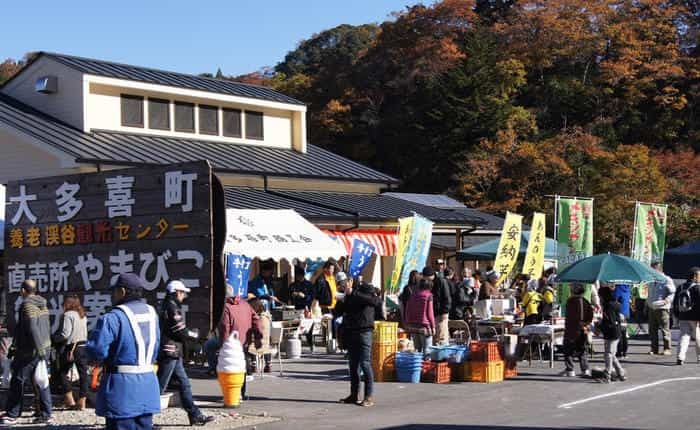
(77, 233)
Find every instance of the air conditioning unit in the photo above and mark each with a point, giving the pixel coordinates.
(46, 85)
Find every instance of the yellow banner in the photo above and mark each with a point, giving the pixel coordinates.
(509, 246)
(534, 258)
(405, 227)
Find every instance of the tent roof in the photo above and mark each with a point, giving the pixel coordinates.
(277, 234)
(488, 250)
(692, 248)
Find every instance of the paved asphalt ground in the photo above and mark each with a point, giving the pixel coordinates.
(657, 395)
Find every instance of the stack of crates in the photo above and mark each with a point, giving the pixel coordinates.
(436, 372)
(487, 361)
(384, 351)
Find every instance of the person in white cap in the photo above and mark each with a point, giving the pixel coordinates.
(173, 334)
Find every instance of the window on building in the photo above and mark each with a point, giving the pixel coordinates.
(254, 125)
(184, 117)
(132, 110)
(208, 119)
(232, 122)
(158, 114)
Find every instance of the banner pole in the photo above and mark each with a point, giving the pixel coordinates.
(556, 228)
(634, 229)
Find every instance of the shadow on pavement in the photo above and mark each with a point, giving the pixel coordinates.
(488, 427)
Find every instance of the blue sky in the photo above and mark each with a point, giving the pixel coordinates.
(239, 36)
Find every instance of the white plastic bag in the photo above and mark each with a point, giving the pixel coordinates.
(73, 375)
(41, 375)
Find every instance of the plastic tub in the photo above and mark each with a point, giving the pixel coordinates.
(440, 353)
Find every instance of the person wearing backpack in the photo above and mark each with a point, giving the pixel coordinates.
(611, 328)
(686, 308)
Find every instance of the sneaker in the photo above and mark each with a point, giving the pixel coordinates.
(622, 377)
(349, 400)
(667, 352)
(49, 421)
(568, 373)
(368, 402)
(679, 362)
(586, 373)
(201, 420)
(653, 353)
(8, 421)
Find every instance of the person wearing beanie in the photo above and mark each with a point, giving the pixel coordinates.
(126, 340)
(173, 335)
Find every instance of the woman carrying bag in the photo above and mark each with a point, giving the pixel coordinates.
(72, 333)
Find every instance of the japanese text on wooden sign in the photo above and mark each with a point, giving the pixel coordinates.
(78, 233)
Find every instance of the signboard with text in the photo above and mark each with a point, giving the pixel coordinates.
(77, 233)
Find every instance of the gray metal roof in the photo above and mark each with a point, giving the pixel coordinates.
(378, 206)
(172, 79)
(435, 200)
(140, 149)
(254, 198)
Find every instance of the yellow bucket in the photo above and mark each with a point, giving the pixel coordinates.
(231, 384)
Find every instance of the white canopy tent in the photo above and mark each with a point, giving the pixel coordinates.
(277, 234)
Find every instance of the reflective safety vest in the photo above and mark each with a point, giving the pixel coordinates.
(145, 336)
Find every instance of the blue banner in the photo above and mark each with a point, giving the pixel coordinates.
(418, 248)
(362, 253)
(237, 273)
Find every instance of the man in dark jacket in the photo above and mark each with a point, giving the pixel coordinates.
(32, 343)
(359, 307)
(173, 334)
(442, 302)
(688, 320)
(579, 315)
(301, 291)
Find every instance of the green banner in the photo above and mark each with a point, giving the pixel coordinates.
(574, 238)
(649, 233)
(574, 231)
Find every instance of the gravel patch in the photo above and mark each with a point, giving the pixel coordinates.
(171, 418)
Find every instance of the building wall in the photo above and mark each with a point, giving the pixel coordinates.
(66, 104)
(22, 160)
(103, 112)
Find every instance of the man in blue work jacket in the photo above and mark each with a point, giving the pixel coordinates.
(126, 341)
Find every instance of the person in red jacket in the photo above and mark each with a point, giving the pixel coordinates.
(420, 317)
(239, 316)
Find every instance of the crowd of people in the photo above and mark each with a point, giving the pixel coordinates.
(129, 339)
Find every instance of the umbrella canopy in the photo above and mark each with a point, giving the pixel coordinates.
(488, 250)
(610, 268)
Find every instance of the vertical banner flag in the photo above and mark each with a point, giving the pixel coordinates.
(534, 258)
(575, 230)
(362, 253)
(418, 247)
(574, 234)
(237, 272)
(649, 232)
(509, 246)
(405, 227)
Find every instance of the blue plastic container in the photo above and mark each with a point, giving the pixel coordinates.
(440, 353)
(409, 366)
(458, 354)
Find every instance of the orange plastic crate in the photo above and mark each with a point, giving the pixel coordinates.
(465, 371)
(487, 371)
(434, 372)
(384, 371)
(486, 351)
